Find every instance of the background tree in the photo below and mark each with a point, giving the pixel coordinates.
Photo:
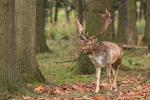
(94, 22)
(51, 5)
(68, 8)
(94, 25)
(114, 8)
(147, 27)
(10, 78)
(127, 22)
(40, 27)
(57, 4)
(46, 7)
(142, 12)
(26, 37)
(80, 8)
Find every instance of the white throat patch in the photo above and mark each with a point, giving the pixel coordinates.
(98, 59)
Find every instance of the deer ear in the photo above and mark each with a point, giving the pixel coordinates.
(81, 40)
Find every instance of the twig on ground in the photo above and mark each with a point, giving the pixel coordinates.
(68, 61)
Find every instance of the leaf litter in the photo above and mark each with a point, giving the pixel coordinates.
(129, 88)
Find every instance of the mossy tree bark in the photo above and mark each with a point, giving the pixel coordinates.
(26, 37)
(10, 77)
(127, 22)
(94, 25)
(41, 45)
(147, 27)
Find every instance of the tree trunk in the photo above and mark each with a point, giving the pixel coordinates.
(147, 27)
(45, 6)
(122, 24)
(80, 8)
(26, 36)
(94, 25)
(56, 11)
(94, 22)
(51, 5)
(40, 25)
(114, 5)
(142, 12)
(10, 78)
(127, 22)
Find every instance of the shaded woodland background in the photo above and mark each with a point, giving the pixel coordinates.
(38, 43)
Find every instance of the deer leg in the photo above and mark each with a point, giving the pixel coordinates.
(115, 72)
(109, 68)
(114, 80)
(98, 72)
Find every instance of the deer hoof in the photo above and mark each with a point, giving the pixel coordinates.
(114, 88)
(96, 91)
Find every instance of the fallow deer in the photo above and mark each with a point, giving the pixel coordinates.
(102, 54)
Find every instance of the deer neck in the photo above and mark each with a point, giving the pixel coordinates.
(94, 50)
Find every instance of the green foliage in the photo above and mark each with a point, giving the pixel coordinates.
(60, 29)
(115, 4)
(147, 81)
(135, 60)
(140, 26)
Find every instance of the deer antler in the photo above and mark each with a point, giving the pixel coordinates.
(80, 29)
(107, 21)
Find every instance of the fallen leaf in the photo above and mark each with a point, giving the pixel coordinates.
(100, 98)
(39, 89)
(28, 98)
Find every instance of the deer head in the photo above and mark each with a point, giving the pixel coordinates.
(88, 43)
